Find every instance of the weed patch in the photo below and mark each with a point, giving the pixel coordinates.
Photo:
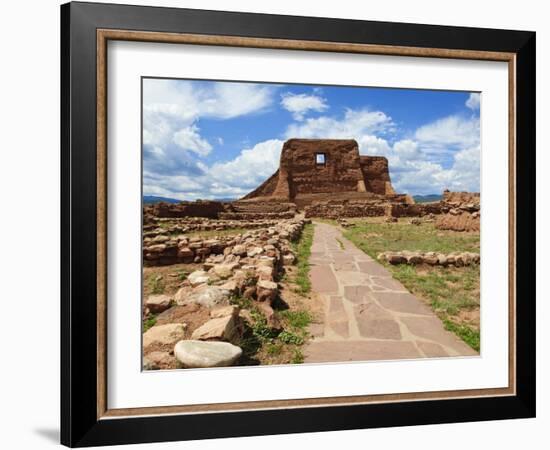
(302, 250)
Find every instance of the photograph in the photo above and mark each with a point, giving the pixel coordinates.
(297, 224)
(289, 223)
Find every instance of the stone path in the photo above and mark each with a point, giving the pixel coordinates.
(368, 314)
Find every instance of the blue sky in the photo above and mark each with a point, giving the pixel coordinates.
(208, 139)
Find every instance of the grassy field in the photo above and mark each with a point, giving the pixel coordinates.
(452, 292)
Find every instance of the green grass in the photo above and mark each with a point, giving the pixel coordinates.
(297, 319)
(302, 250)
(375, 238)
(149, 322)
(156, 284)
(182, 275)
(450, 291)
(274, 348)
(262, 344)
(465, 332)
(297, 357)
(288, 337)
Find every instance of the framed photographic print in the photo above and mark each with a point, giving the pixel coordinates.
(276, 224)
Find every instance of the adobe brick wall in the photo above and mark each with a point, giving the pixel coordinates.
(199, 208)
(300, 176)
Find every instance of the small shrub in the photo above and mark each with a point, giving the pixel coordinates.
(297, 357)
(297, 319)
(302, 250)
(182, 275)
(274, 349)
(260, 328)
(289, 337)
(149, 322)
(156, 285)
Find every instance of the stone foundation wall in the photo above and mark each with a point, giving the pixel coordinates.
(204, 208)
(165, 249)
(417, 210)
(335, 210)
(184, 225)
(463, 212)
(459, 221)
(458, 259)
(256, 215)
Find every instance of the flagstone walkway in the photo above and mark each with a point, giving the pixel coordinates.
(368, 314)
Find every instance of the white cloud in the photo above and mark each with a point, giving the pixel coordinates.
(171, 110)
(473, 101)
(252, 167)
(230, 179)
(189, 100)
(300, 104)
(406, 149)
(450, 131)
(189, 139)
(228, 100)
(354, 124)
(373, 145)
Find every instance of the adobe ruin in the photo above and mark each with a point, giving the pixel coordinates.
(313, 170)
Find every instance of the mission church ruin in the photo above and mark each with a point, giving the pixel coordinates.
(322, 169)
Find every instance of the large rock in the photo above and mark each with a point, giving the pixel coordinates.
(221, 328)
(208, 296)
(288, 259)
(225, 270)
(266, 261)
(266, 291)
(163, 334)
(224, 311)
(265, 273)
(198, 277)
(229, 286)
(180, 297)
(254, 251)
(395, 258)
(158, 303)
(186, 254)
(239, 250)
(199, 354)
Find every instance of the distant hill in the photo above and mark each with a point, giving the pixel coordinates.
(427, 198)
(148, 199)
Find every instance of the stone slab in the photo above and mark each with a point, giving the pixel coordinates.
(431, 328)
(390, 284)
(375, 322)
(353, 350)
(323, 279)
(431, 349)
(402, 302)
(356, 294)
(373, 269)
